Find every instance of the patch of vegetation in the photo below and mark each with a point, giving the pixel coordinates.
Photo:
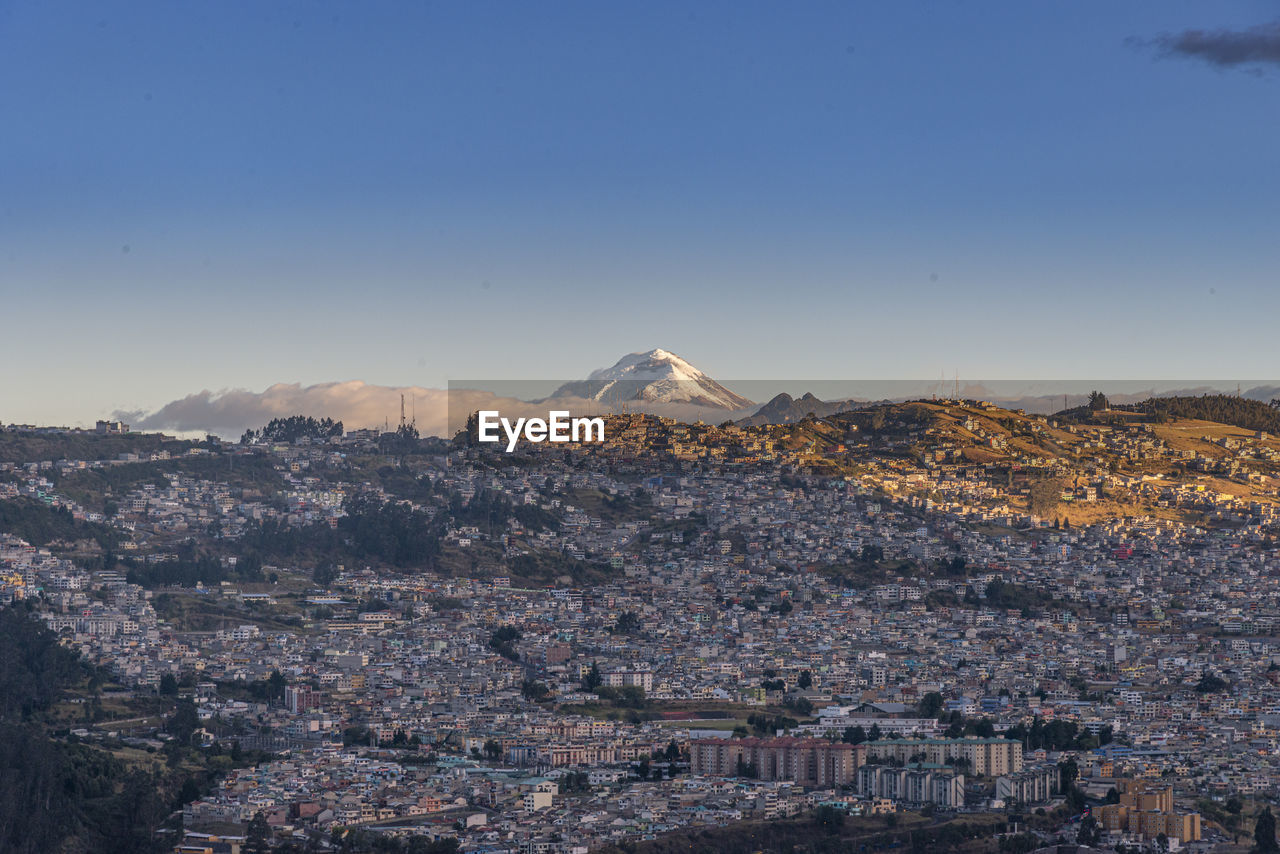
(826, 831)
(18, 446)
(1006, 594)
(54, 794)
(503, 640)
(41, 524)
(1057, 735)
(1222, 408)
(291, 429)
(1046, 494)
(1211, 683)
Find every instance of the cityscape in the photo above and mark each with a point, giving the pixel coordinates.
(679, 427)
(934, 623)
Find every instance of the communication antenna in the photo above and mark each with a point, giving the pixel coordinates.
(957, 385)
(401, 412)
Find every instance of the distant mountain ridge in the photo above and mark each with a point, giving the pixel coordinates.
(654, 376)
(784, 409)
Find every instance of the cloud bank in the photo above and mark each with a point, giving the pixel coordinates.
(1223, 48)
(356, 404)
(228, 413)
(439, 412)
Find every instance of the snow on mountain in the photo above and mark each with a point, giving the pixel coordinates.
(656, 376)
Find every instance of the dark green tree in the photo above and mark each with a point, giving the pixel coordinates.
(275, 686)
(184, 721)
(1068, 773)
(627, 623)
(930, 705)
(1264, 833)
(258, 836)
(1090, 832)
(592, 680)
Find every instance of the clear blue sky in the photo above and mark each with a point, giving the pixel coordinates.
(211, 195)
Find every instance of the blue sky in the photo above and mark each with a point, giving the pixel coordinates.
(229, 195)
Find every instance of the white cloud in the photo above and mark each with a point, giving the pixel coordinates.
(357, 404)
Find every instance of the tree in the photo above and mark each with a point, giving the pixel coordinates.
(1264, 833)
(183, 722)
(1090, 832)
(1211, 684)
(593, 679)
(502, 641)
(627, 623)
(188, 792)
(1098, 401)
(324, 575)
(535, 690)
(275, 686)
(287, 430)
(492, 749)
(805, 681)
(829, 817)
(930, 705)
(168, 685)
(1068, 773)
(258, 837)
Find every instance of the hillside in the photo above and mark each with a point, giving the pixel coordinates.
(1128, 463)
(1221, 408)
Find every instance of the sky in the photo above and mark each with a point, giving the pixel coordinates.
(229, 196)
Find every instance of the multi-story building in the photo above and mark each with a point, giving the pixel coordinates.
(1030, 785)
(1147, 810)
(915, 785)
(988, 757)
(804, 761)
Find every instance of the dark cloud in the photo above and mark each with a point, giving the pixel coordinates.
(1223, 48)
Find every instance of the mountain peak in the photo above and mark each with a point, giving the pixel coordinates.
(654, 376)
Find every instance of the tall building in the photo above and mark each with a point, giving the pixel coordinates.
(1030, 785)
(1147, 810)
(915, 785)
(989, 757)
(811, 762)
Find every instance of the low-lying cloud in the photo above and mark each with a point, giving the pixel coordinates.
(356, 404)
(438, 412)
(1223, 48)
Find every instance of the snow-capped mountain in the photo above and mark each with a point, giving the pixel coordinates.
(654, 377)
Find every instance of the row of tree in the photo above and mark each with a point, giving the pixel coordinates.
(291, 429)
